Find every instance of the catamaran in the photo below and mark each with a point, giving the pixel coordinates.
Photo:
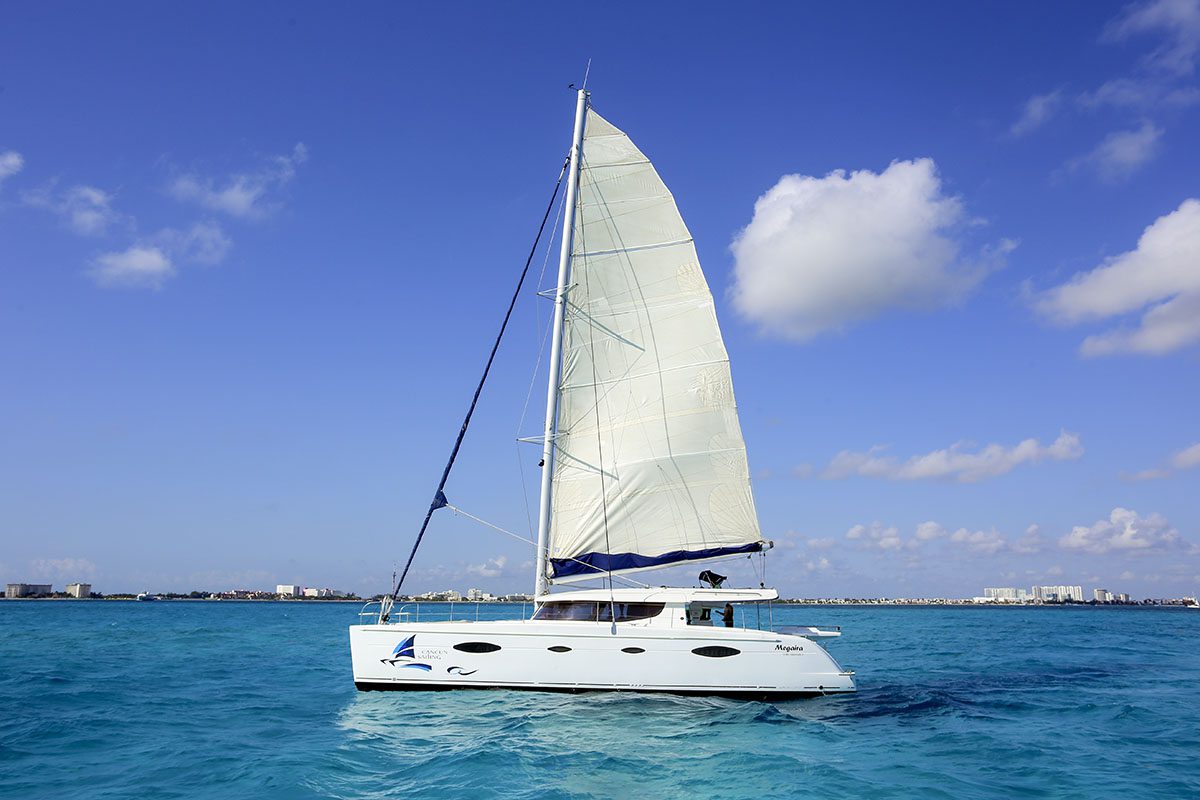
(643, 467)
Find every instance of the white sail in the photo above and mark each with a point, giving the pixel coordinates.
(650, 468)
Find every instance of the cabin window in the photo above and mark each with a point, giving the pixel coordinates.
(559, 648)
(575, 610)
(593, 611)
(477, 647)
(633, 650)
(628, 612)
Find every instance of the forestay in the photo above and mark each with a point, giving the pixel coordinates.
(650, 468)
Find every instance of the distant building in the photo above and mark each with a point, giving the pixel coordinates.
(1102, 595)
(1124, 598)
(326, 592)
(1058, 593)
(14, 590)
(475, 594)
(1005, 595)
(79, 589)
(288, 590)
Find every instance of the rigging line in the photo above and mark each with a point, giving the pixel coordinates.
(439, 499)
(537, 366)
(521, 538)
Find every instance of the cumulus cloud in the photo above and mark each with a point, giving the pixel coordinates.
(1030, 541)
(491, 568)
(11, 162)
(1036, 112)
(244, 194)
(816, 565)
(821, 254)
(1159, 278)
(957, 462)
(876, 535)
(86, 210)
(1121, 153)
(1125, 531)
(928, 531)
(140, 266)
(1176, 21)
(985, 542)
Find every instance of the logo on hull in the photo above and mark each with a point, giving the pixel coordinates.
(405, 656)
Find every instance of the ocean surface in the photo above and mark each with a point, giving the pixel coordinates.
(107, 699)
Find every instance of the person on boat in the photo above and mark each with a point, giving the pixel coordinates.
(727, 615)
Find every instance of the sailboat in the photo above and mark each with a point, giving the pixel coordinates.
(643, 467)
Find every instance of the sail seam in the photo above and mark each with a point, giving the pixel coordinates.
(634, 249)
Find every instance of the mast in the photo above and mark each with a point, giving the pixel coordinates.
(560, 301)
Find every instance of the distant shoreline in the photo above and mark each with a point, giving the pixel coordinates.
(803, 602)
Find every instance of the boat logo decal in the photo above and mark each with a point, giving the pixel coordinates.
(405, 655)
(461, 671)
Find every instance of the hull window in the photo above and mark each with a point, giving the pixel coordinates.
(558, 648)
(477, 647)
(633, 650)
(716, 651)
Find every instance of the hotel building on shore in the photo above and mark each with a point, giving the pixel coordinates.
(14, 590)
(80, 590)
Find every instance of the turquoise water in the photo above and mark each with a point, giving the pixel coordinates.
(255, 700)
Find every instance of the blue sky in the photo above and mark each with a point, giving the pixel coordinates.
(252, 257)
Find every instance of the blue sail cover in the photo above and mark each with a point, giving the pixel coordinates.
(592, 563)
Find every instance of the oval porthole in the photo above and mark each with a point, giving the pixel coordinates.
(716, 651)
(633, 650)
(477, 647)
(558, 648)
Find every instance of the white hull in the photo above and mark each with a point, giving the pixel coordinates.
(587, 656)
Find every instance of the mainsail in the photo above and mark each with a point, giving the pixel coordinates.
(650, 467)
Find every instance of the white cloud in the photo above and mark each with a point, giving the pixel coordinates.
(1178, 21)
(1145, 475)
(1037, 111)
(140, 266)
(71, 569)
(86, 210)
(955, 462)
(985, 542)
(817, 565)
(11, 162)
(243, 194)
(1121, 153)
(203, 243)
(1124, 531)
(876, 535)
(491, 568)
(1187, 458)
(823, 253)
(928, 531)
(820, 543)
(1139, 94)
(1030, 541)
(1160, 276)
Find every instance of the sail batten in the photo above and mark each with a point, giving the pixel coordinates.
(650, 467)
